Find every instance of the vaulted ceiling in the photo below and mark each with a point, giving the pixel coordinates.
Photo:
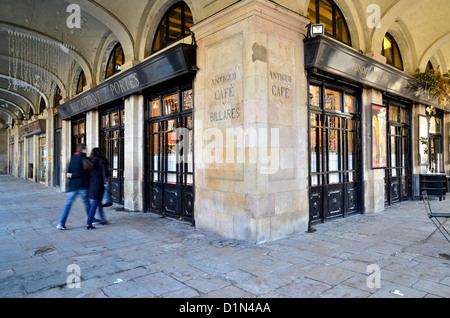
(420, 27)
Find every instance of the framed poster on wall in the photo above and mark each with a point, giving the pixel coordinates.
(379, 136)
(423, 140)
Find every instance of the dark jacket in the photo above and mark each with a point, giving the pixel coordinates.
(96, 185)
(80, 177)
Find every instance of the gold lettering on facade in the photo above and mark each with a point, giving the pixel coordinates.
(362, 70)
(124, 85)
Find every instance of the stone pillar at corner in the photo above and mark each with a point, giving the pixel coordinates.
(251, 119)
(134, 158)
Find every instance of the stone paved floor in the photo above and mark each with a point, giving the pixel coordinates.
(143, 255)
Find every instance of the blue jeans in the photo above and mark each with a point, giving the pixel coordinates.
(70, 198)
(94, 205)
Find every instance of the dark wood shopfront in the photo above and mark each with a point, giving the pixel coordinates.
(112, 136)
(335, 159)
(170, 159)
(168, 78)
(398, 174)
(336, 71)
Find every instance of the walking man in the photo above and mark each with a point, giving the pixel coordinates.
(78, 184)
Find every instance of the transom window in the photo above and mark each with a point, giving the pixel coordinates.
(328, 13)
(115, 61)
(81, 82)
(174, 25)
(390, 50)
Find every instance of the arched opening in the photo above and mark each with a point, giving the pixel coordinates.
(174, 25)
(329, 14)
(390, 50)
(115, 61)
(81, 82)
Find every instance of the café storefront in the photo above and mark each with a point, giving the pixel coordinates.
(33, 135)
(111, 115)
(361, 131)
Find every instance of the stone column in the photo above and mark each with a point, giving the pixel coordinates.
(251, 148)
(373, 178)
(134, 153)
(92, 130)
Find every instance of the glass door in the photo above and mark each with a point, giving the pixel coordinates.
(170, 166)
(113, 134)
(334, 161)
(42, 159)
(30, 155)
(398, 173)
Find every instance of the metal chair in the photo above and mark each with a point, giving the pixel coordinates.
(436, 218)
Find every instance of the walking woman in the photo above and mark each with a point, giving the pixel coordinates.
(98, 167)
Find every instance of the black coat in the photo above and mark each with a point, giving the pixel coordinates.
(96, 184)
(80, 177)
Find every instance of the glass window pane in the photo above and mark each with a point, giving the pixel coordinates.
(314, 180)
(350, 104)
(390, 50)
(160, 38)
(115, 62)
(332, 99)
(82, 128)
(341, 29)
(75, 129)
(393, 152)
(187, 100)
(171, 178)
(434, 125)
(351, 151)
(170, 104)
(155, 106)
(312, 11)
(314, 95)
(316, 155)
(313, 119)
(115, 119)
(155, 127)
(120, 59)
(333, 150)
(188, 20)
(403, 117)
(393, 113)
(351, 177)
(326, 16)
(334, 122)
(122, 115)
(174, 24)
(105, 121)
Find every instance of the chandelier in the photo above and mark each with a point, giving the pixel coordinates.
(35, 63)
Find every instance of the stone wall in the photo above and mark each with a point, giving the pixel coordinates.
(251, 123)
